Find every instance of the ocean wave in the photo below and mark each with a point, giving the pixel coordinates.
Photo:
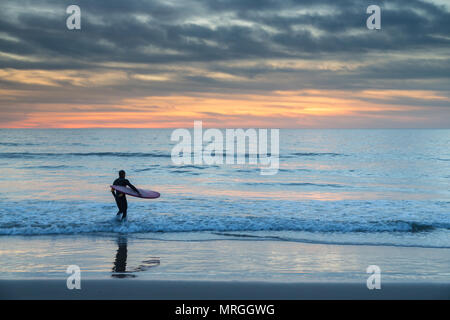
(185, 172)
(149, 168)
(52, 217)
(297, 184)
(190, 166)
(194, 224)
(314, 154)
(341, 239)
(19, 155)
(17, 144)
(62, 166)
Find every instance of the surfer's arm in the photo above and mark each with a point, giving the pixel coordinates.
(133, 187)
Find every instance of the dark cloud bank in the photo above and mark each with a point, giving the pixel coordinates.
(239, 38)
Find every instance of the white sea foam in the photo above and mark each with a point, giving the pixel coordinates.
(358, 218)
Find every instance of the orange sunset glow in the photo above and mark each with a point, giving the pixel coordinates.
(307, 109)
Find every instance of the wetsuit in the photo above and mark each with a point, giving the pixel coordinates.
(121, 199)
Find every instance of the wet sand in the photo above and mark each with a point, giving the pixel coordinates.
(216, 290)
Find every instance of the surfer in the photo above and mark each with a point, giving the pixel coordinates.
(121, 199)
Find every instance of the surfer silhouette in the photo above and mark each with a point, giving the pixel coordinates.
(121, 199)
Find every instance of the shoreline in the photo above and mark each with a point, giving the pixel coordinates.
(217, 236)
(140, 259)
(216, 290)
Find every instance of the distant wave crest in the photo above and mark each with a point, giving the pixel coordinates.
(19, 155)
(156, 154)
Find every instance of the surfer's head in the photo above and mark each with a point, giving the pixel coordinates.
(122, 174)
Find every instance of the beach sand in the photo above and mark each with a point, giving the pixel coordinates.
(142, 268)
(215, 290)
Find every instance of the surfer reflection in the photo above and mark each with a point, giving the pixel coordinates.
(121, 199)
(119, 269)
(120, 263)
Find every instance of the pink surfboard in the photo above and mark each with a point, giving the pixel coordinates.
(145, 194)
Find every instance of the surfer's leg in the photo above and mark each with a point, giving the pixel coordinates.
(124, 208)
(118, 206)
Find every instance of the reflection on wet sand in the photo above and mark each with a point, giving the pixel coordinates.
(119, 269)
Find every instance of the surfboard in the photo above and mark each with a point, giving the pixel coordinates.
(145, 194)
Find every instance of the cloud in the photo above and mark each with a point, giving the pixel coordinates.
(138, 49)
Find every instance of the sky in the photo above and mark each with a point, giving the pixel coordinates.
(228, 63)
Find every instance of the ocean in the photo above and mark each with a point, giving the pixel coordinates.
(376, 188)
